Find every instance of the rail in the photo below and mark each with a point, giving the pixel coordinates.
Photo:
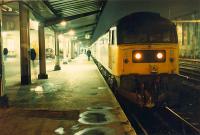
(161, 121)
(190, 69)
(193, 128)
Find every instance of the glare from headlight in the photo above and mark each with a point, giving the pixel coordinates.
(138, 56)
(159, 55)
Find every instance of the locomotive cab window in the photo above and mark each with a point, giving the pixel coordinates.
(146, 30)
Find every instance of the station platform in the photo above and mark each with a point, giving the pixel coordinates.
(73, 101)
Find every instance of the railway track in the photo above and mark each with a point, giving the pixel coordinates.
(190, 68)
(158, 121)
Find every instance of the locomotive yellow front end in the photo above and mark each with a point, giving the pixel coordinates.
(142, 68)
(148, 59)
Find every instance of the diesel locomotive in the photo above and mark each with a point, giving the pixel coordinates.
(138, 56)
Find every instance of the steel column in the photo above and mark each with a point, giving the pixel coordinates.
(2, 82)
(57, 59)
(72, 49)
(24, 44)
(42, 56)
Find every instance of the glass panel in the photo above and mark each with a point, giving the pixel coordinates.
(151, 34)
(146, 28)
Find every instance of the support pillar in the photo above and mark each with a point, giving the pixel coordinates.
(79, 51)
(2, 77)
(24, 44)
(42, 56)
(57, 59)
(72, 49)
(69, 49)
(65, 47)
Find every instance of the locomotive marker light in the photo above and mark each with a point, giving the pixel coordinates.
(159, 55)
(71, 32)
(138, 56)
(63, 23)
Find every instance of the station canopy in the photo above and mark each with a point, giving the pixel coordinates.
(64, 16)
(89, 19)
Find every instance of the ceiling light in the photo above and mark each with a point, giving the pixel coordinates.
(63, 23)
(87, 36)
(34, 24)
(71, 32)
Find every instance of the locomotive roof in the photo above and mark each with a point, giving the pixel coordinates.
(143, 17)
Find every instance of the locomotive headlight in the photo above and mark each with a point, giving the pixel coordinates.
(138, 56)
(159, 55)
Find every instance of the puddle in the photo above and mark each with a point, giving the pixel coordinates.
(96, 131)
(99, 108)
(45, 88)
(96, 117)
(101, 88)
(75, 127)
(38, 89)
(59, 131)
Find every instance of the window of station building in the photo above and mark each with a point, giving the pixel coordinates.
(188, 34)
(184, 34)
(198, 35)
(194, 34)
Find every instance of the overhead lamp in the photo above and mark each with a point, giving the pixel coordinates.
(34, 24)
(71, 32)
(87, 36)
(75, 38)
(63, 23)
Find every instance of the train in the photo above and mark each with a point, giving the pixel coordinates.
(138, 57)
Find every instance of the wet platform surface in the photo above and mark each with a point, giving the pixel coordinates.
(73, 101)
